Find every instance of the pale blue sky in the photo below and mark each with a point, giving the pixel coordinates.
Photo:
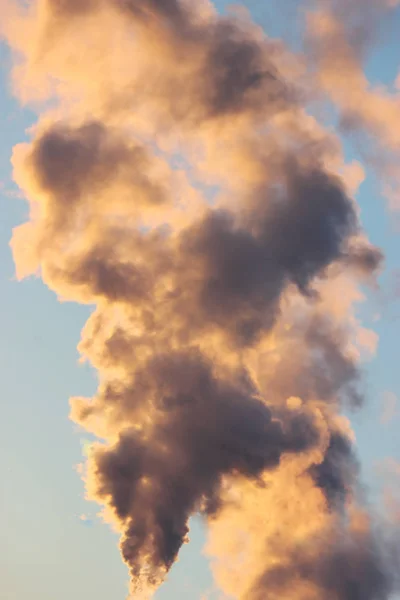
(46, 552)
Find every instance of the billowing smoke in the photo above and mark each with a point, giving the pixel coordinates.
(179, 186)
(339, 37)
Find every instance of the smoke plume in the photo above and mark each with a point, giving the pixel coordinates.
(339, 38)
(178, 185)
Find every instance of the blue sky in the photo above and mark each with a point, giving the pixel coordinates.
(46, 551)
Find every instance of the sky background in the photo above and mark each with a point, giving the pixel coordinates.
(46, 551)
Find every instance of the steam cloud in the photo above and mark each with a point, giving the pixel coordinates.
(179, 185)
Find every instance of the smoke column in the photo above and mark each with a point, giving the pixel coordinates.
(178, 184)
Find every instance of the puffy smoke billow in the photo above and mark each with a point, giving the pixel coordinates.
(339, 37)
(180, 187)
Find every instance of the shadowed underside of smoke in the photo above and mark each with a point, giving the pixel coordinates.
(223, 350)
(342, 567)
